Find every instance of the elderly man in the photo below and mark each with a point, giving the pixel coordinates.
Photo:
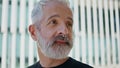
(52, 30)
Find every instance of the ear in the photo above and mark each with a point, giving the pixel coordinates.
(33, 32)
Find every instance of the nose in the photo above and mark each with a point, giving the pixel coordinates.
(63, 29)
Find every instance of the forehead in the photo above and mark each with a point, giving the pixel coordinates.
(57, 8)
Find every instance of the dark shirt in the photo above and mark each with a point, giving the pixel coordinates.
(70, 63)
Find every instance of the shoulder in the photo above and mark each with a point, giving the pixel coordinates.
(78, 64)
(36, 65)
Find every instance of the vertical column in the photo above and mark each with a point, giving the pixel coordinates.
(4, 49)
(117, 28)
(4, 31)
(83, 30)
(102, 46)
(13, 29)
(95, 32)
(76, 25)
(22, 32)
(89, 28)
(107, 32)
(112, 33)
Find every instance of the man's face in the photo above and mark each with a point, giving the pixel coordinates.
(54, 32)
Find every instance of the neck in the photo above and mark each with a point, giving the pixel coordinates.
(49, 62)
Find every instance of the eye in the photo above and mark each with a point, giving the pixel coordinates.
(53, 22)
(69, 24)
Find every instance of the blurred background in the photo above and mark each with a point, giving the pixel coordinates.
(96, 28)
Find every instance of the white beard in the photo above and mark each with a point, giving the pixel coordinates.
(56, 51)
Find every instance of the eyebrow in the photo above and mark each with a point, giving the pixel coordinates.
(53, 16)
(70, 18)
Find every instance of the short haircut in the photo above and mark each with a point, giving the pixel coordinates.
(38, 9)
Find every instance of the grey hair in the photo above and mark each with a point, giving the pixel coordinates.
(38, 9)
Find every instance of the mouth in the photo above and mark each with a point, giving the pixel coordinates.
(61, 42)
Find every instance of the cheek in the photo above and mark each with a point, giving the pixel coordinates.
(70, 35)
(48, 34)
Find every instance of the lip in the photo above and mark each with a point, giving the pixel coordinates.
(60, 42)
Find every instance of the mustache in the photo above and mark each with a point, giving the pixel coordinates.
(63, 38)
